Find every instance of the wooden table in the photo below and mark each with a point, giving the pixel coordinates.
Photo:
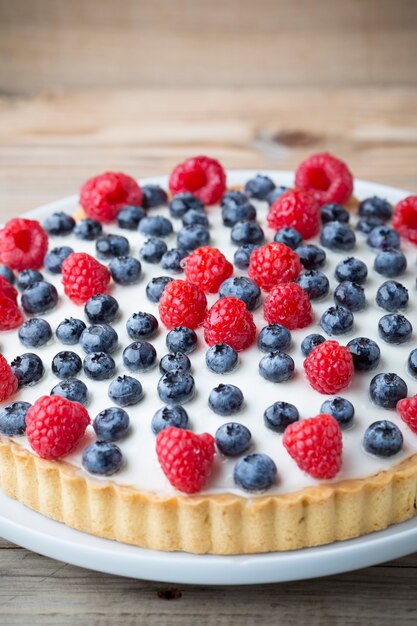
(48, 146)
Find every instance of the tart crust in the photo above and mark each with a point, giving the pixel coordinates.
(209, 524)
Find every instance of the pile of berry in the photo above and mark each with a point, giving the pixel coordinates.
(200, 297)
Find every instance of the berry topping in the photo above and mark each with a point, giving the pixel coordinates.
(182, 203)
(176, 387)
(101, 308)
(66, 364)
(27, 278)
(337, 320)
(288, 304)
(365, 353)
(28, 369)
(392, 296)
(310, 342)
(273, 263)
(10, 316)
(255, 472)
(172, 260)
(274, 337)
(280, 415)
(242, 288)
(13, 418)
(375, 207)
(387, 389)
(59, 224)
(139, 356)
(334, 212)
(39, 298)
(412, 363)
(7, 289)
(350, 295)
(83, 276)
(174, 362)
(102, 197)
(233, 439)
(202, 176)
(329, 367)
(111, 424)
(277, 367)
(35, 332)
(71, 389)
(23, 244)
(129, 217)
(7, 273)
(194, 216)
(125, 270)
(99, 338)
(225, 399)
(208, 268)
(125, 391)
(326, 177)
(229, 321)
(383, 438)
(234, 213)
(174, 415)
(103, 458)
(383, 237)
(110, 246)
(298, 209)
(315, 284)
(182, 304)
(351, 269)
(8, 381)
(394, 328)
(407, 409)
(141, 325)
(181, 339)
(259, 187)
(99, 366)
(193, 236)
(153, 196)
(221, 358)
(155, 288)
(55, 258)
(337, 236)
(88, 229)
(341, 409)
(312, 257)
(290, 236)
(247, 232)
(404, 219)
(155, 226)
(242, 255)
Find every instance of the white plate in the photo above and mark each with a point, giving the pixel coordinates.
(40, 534)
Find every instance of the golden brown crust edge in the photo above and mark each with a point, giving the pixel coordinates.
(217, 524)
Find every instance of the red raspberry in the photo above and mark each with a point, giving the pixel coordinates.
(296, 208)
(288, 304)
(207, 267)
(8, 381)
(55, 425)
(273, 263)
(316, 445)
(23, 244)
(404, 219)
(229, 321)
(83, 276)
(407, 408)
(329, 367)
(7, 289)
(10, 315)
(182, 304)
(202, 176)
(186, 458)
(103, 196)
(326, 177)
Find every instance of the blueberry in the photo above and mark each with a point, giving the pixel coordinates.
(247, 232)
(155, 226)
(174, 362)
(153, 250)
(99, 366)
(312, 257)
(367, 224)
(27, 278)
(13, 418)
(242, 255)
(242, 288)
(255, 472)
(99, 338)
(233, 439)
(109, 246)
(141, 325)
(383, 237)
(35, 332)
(111, 424)
(275, 194)
(290, 236)
(192, 237)
(176, 387)
(184, 202)
(341, 409)
(101, 308)
(28, 369)
(351, 269)
(390, 263)
(125, 270)
(280, 415)
(139, 356)
(59, 224)
(181, 339)
(102, 458)
(173, 415)
(350, 295)
(337, 320)
(129, 217)
(194, 216)
(383, 438)
(221, 358)
(88, 229)
(70, 330)
(274, 337)
(234, 213)
(277, 367)
(225, 399)
(394, 328)
(71, 389)
(392, 296)
(365, 353)
(310, 342)
(125, 391)
(376, 207)
(314, 283)
(412, 363)
(259, 187)
(333, 212)
(54, 259)
(337, 236)
(7, 273)
(39, 298)
(66, 364)
(233, 198)
(155, 288)
(387, 389)
(153, 196)
(171, 260)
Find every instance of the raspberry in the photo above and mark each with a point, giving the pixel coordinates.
(316, 445)
(273, 263)
(407, 408)
(298, 209)
(326, 177)
(229, 321)
(186, 458)
(329, 367)
(200, 175)
(83, 276)
(207, 267)
(23, 244)
(404, 219)
(10, 316)
(288, 304)
(55, 425)
(102, 197)
(6, 289)
(8, 381)
(182, 304)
